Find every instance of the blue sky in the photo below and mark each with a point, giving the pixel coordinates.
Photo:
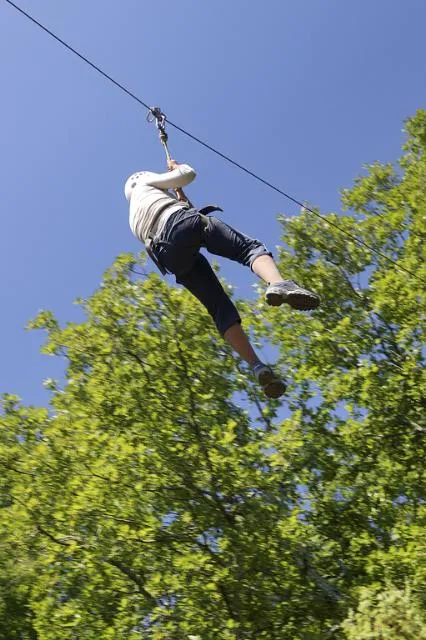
(303, 93)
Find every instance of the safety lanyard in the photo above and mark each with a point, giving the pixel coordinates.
(155, 114)
(160, 120)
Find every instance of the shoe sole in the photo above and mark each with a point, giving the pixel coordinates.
(296, 299)
(272, 387)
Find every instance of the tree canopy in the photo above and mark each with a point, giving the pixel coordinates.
(161, 496)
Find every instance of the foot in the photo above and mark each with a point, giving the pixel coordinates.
(290, 292)
(272, 386)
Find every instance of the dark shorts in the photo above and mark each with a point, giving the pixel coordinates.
(178, 249)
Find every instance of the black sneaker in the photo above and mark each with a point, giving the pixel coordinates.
(270, 383)
(290, 292)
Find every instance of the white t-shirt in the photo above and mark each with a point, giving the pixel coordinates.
(147, 193)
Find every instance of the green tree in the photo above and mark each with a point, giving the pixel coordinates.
(16, 566)
(357, 368)
(389, 615)
(146, 494)
(160, 497)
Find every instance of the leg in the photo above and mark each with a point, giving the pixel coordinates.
(223, 240)
(264, 266)
(203, 283)
(178, 251)
(239, 341)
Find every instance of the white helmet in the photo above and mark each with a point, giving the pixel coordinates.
(131, 183)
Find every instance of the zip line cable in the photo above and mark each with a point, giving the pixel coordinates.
(210, 148)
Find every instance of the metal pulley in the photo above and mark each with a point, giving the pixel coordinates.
(155, 114)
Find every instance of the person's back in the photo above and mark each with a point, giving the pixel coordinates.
(149, 196)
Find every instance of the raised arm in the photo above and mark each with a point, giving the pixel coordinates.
(180, 176)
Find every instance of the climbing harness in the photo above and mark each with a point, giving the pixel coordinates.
(155, 114)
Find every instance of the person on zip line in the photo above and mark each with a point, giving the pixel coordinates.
(173, 233)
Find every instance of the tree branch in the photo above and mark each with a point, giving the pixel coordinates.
(134, 577)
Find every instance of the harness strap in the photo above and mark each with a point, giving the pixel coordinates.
(150, 252)
(150, 239)
(149, 243)
(210, 208)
